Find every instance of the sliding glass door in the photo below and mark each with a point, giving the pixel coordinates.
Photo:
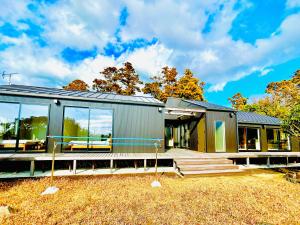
(23, 127)
(87, 129)
(249, 138)
(9, 118)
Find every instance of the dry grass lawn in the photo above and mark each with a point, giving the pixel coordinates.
(263, 198)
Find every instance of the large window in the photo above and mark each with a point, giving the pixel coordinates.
(23, 127)
(220, 136)
(87, 129)
(277, 140)
(249, 138)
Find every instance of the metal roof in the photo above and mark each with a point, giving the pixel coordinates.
(22, 90)
(210, 106)
(254, 118)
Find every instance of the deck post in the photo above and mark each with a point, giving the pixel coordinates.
(174, 164)
(248, 161)
(287, 160)
(93, 165)
(268, 162)
(74, 166)
(234, 162)
(135, 164)
(32, 168)
(111, 165)
(145, 164)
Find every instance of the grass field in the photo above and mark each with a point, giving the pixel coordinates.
(258, 198)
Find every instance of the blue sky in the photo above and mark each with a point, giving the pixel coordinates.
(232, 45)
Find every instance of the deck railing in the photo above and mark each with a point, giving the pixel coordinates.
(156, 143)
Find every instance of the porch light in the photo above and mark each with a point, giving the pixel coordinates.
(56, 102)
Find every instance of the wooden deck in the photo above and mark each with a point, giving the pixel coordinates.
(169, 154)
(172, 154)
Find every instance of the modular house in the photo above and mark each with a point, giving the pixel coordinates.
(105, 122)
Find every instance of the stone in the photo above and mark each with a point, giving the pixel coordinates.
(4, 212)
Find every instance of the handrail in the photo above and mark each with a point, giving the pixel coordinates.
(156, 143)
(101, 138)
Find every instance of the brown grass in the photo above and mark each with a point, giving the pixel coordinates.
(265, 198)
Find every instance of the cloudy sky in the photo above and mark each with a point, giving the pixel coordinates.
(232, 45)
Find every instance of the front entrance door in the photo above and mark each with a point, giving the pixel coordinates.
(177, 136)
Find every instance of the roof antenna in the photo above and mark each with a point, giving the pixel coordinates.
(9, 75)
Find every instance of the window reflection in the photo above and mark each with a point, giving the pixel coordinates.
(33, 127)
(100, 127)
(220, 136)
(277, 139)
(249, 138)
(9, 114)
(75, 125)
(96, 124)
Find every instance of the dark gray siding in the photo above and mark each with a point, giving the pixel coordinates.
(129, 120)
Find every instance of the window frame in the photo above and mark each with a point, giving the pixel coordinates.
(89, 112)
(16, 149)
(259, 136)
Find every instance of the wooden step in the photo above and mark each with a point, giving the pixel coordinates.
(203, 162)
(211, 172)
(207, 167)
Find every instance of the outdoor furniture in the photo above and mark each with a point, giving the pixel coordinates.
(23, 144)
(77, 145)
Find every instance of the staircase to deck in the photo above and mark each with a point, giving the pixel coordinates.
(203, 166)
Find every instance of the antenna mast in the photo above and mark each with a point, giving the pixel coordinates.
(9, 75)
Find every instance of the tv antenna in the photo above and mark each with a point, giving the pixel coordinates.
(9, 75)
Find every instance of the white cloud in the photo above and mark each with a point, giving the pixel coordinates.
(292, 3)
(31, 62)
(81, 24)
(265, 71)
(209, 56)
(149, 60)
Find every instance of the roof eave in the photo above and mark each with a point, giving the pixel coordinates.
(80, 98)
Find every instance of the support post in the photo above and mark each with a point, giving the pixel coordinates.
(174, 164)
(53, 161)
(268, 162)
(145, 164)
(32, 168)
(287, 160)
(248, 161)
(111, 165)
(74, 166)
(135, 164)
(93, 165)
(234, 162)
